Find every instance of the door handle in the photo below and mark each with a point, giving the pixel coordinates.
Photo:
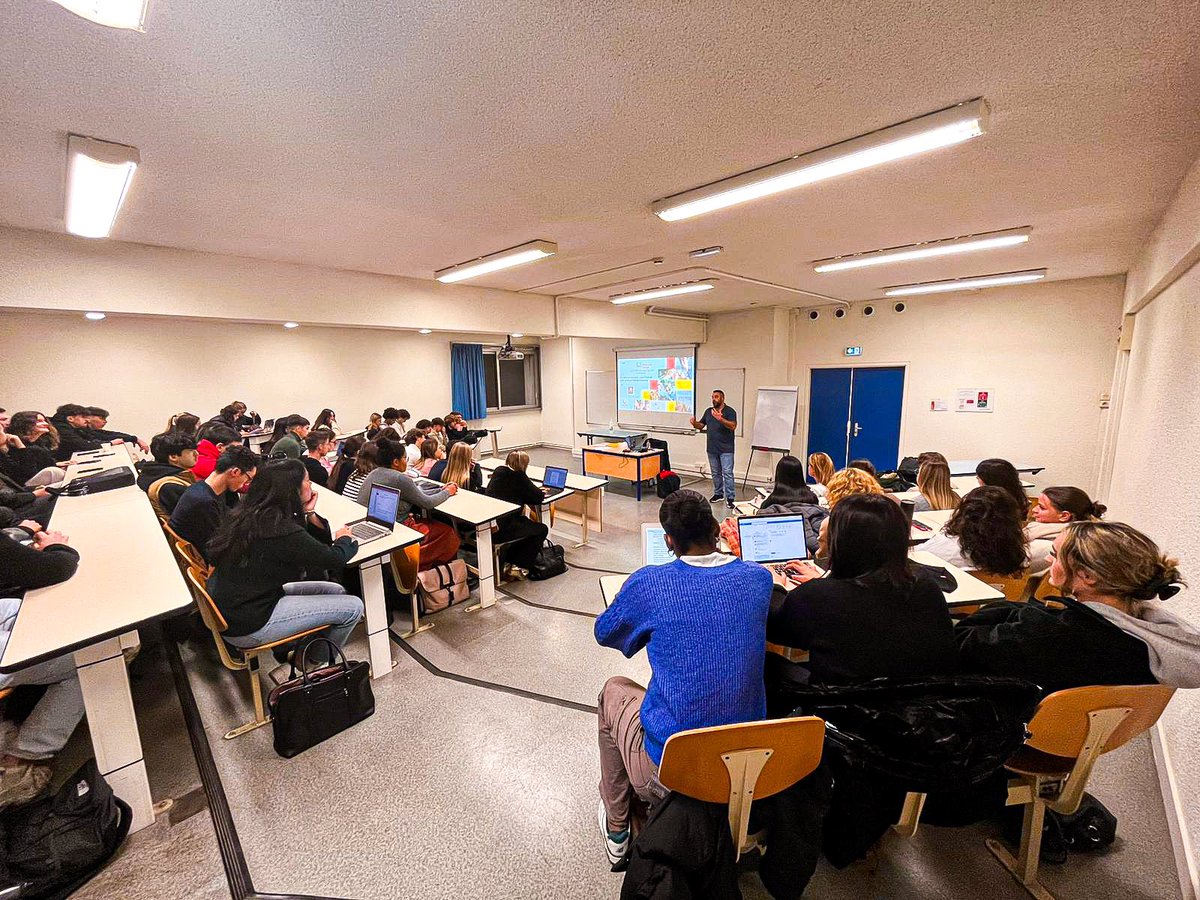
(857, 429)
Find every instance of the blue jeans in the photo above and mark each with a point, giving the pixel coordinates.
(46, 729)
(722, 474)
(305, 605)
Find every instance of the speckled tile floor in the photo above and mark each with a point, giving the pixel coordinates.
(457, 790)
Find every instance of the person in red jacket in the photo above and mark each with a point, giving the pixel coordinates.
(219, 437)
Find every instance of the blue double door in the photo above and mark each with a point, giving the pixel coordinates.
(854, 413)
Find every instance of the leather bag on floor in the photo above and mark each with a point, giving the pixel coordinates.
(319, 704)
(551, 560)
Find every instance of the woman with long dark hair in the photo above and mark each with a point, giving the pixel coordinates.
(272, 555)
(345, 463)
(792, 495)
(326, 418)
(986, 532)
(1003, 474)
(873, 615)
(281, 427)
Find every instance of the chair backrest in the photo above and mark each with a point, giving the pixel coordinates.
(209, 612)
(187, 551)
(1045, 589)
(1017, 588)
(404, 568)
(1060, 725)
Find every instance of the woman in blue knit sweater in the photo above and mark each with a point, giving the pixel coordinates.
(703, 622)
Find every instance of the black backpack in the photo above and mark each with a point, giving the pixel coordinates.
(551, 560)
(666, 483)
(54, 845)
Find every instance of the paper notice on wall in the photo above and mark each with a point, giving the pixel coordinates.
(974, 400)
(938, 404)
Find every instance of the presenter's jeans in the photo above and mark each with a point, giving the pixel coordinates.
(47, 728)
(722, 474)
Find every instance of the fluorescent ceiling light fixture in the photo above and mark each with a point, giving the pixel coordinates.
(988, 241)
(94, 316)
(98, 176)
(705, 251)
(291, 324)
(692, 287)
(505, 259)
(424, 331)
(130, 14)
(965, 284)
(940, 129)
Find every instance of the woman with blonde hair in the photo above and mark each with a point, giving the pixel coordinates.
(1111, 625)
(374, 426)
(458, 468)
(820, 467)
(841, 485)
(933, 481)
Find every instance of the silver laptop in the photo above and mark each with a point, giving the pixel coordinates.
(655, 551)
(772, 540)
(382, 507)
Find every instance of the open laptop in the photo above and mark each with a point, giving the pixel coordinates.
(554, 480)
(267, 425)
(655, 551)
(381, 515)
(772, 540)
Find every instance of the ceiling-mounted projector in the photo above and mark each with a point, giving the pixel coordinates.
(507, 351)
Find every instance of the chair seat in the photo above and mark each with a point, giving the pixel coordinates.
(1028, 761)
(291, 638)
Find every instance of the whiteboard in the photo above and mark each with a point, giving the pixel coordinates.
(600, 400)
(775, 418)
(732, 382)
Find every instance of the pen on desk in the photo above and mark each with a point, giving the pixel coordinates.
(921, 526)
(85, 471)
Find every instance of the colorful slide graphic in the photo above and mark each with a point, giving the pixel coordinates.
(657, 384)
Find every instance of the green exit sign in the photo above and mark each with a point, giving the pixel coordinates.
(854, 351)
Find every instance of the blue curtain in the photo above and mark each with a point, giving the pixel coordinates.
(467, 387)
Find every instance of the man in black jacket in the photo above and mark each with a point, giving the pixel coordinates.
(98, 425)
(34, 559)
(74, 431)
(174, 455)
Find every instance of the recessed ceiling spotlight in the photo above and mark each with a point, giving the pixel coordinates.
(493, 262)
(94, 316)
(128, 14)
(291, 324)
(705, 251)
(672, 290)
(517, 334)
(98, 177)
(965, 284)
(424, 331)
(987, 241)
(920, 135)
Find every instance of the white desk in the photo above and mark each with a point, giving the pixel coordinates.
(610, 434)
(968, 466)
(610, 585)
(935, 519)
(590, 511)
(492, 432)
(127, 577)
(338, 510)
(93, 462)
(964, 484)
(970, 591)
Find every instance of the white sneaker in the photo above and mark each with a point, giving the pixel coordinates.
(616, 850)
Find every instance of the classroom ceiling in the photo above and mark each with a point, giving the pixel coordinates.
(405, 137)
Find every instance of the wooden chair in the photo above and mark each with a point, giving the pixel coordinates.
(405, 564)
(1069, 732)
(737, 764)
(189, 556)
(235, 658)
(1017, 588)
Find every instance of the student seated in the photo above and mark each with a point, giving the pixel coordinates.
(874, 615)
(438, 431)
(291, 445)
(183, 423)
(366, 460)
(412, 447)
(431, 454)
(277, 432)
(702, 620)
(457, 430)
(986, 532)
(98, 425)
(933, 481)
(318, 444)
(24, 766)
(244, 418)
(167, 474)
(218, 438)
(272, 556)
(341, 470)
(820, 467)
(842, 484)
(458, 468)
(202, 507)
(791, 494)
(1056, 508)
(326, 418)
(374, 426)
(511, 483)
(441, 542)
(1110, 625)
(74, 434)
(21, 458)
(1003, 474)
(396, 418)
(864, 465)
(228, 416)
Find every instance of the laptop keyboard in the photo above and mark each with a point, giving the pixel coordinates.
(365, 531)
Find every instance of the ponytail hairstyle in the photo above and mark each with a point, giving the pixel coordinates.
(348, 459)
(1124, 562)
(990, 528)
(821, 466)
(1076, 503)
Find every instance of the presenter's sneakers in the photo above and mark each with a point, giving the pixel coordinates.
(715, 498)
(729, 506)
(616, 844)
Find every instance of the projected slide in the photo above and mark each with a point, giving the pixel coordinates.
(665, 384)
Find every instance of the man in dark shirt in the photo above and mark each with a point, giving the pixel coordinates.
(97, 418)
(720, 422)
(202, 506)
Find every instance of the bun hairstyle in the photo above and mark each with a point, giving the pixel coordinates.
(687, 518)
(1076, 502)
(1123, 561)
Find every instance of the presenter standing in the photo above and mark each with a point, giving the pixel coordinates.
(720, 422)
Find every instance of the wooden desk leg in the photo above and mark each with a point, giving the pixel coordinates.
(495, 445)
(113, 726)
(583, 523)
(378, 642)
(487, 572)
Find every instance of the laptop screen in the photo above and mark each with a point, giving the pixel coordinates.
(771, 539)
(555, 477)
(383, 504)
(655, 551)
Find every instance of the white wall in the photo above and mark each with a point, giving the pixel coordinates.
(1045, 351)
(144, 369)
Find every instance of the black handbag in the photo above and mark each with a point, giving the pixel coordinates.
(98, 483)
(319, 704)
(551, 560)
